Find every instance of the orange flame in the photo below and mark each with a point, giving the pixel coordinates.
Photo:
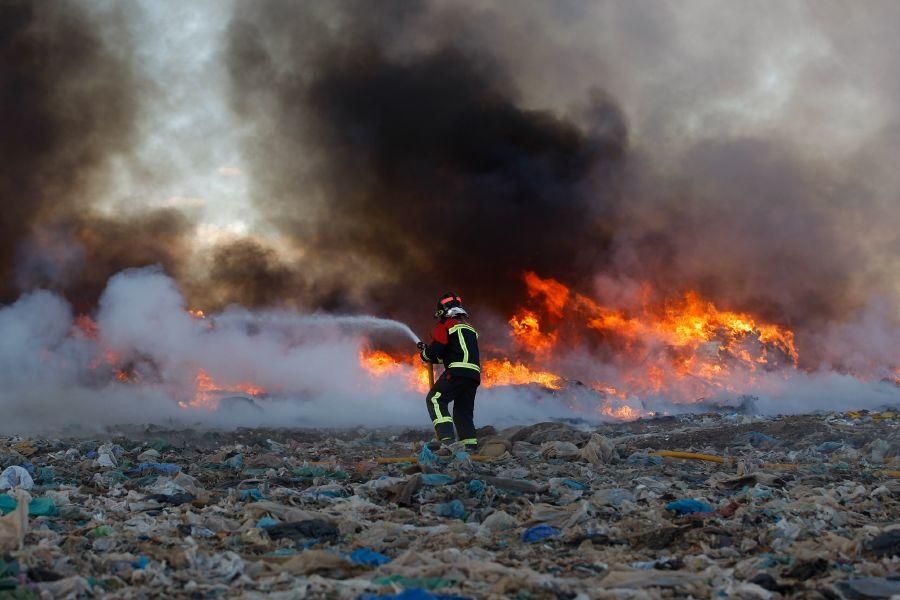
(504, 372)
(493, 372)
(526, 331)
(208, 392)
(664, 344)
(555, 294)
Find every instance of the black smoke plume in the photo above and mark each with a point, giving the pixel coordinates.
(416, 173)
(403, 149)
(68, 104)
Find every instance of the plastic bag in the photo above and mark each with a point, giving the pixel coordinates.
(15, 477)
(14, 526)
(538, 533)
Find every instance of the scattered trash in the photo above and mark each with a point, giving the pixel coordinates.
(14, 525)
(453, 509)
(886, 544)
(870, 587)
(436, 479)
(538, 533)
(688, 507)
(37, 507)
(427, 457)
(236, 462)
(411, 594)
(757, 439)
(792, 506)
(146, 468)
(15, 477)
(303, 530)
(611, 497)
(829, 447)
(499, 521)
(367, 556)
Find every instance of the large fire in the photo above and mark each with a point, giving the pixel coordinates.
(494, 372)
(685, 348)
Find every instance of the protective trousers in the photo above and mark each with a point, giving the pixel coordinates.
(461, 392)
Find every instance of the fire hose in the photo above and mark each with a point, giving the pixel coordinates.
(730, 461)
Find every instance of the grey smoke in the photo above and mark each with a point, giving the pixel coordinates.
(54, 376)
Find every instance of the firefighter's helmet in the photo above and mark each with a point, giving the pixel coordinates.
(447, 302)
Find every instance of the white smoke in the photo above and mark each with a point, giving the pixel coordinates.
(55, 376)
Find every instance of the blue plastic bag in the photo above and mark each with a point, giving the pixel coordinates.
(155, 467)
(427, 457)
(829, 447)
(236, 462)
(538, 533)
(367, 556)
(453, 509)
(252, 494)
(436, 479)
(575, 485)
(688, 506)
(411, 594)
(476, 488)
(38, 507)
(642, 459)
(758, 439)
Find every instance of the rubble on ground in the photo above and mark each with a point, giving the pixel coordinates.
(799, 506)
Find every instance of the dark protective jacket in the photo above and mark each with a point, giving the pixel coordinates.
(454, 343)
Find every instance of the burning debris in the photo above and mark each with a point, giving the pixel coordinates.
(561, 355)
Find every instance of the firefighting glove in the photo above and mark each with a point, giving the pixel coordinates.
(421, 346)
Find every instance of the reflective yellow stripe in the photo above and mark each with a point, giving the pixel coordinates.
(468, 441)
(456, 328)
(442, 420)
(465, 365)
(462, 343)
(437, 407)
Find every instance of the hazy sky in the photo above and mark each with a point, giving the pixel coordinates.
(754, 142)
(680, 69)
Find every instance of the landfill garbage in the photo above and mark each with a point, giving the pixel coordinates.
(538, 533)
(689, 506)
(37, 507)
(15, 477)
(886, 543)
(499, 521)
(367, 556)
(453, 509)
(154, 467)
(436, 479)
(870, 587)
(494, 447)
(598, 450)
(14, 525)
(350, 513)
(411, 594)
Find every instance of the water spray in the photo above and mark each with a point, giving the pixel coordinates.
(281, 318)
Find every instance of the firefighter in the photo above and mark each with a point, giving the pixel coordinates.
(454, 344)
